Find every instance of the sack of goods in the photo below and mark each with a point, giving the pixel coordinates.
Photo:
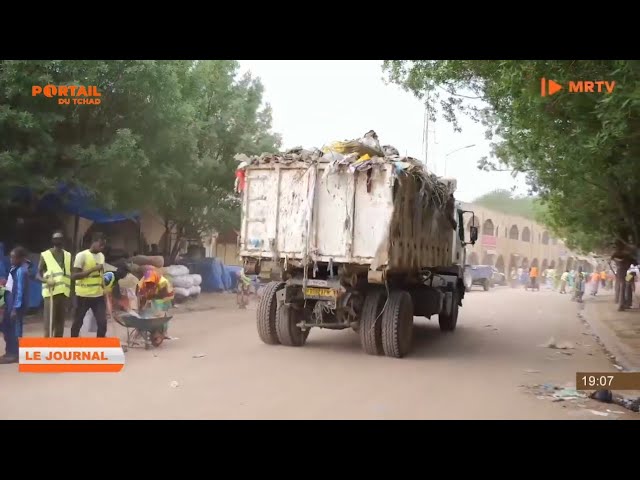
(181, 292)
(197, 279)
(183, 281)
(194, 291)
(175, 270)
(156, 261)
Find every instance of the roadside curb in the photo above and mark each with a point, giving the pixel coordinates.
(607, 338)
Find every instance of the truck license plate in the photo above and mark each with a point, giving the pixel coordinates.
(311, 292)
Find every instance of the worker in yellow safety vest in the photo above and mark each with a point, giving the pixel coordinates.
(54, 271)
(88, 268)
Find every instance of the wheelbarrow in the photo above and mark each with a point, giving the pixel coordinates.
(147, 329)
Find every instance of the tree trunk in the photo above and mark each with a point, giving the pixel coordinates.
(621, 273)
(176, 246)
(166, 248)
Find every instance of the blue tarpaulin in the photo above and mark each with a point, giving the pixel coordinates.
(76, 201)
(216, 276)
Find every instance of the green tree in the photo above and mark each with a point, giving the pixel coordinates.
(506, 202)
(580, 151)
(164, 135)
(106, 148)
(228, 118)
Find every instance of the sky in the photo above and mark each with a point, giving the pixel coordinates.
(316, 102)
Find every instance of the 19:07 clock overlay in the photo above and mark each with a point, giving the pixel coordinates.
(608, 381)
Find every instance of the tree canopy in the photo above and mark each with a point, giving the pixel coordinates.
(506, 202)
(163, 136)
(580, 151)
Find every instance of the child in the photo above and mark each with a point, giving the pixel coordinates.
(244, 284)
(16, 295)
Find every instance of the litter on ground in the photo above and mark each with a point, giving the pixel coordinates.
(568, 394)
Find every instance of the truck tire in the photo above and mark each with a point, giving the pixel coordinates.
(486, 285)
(266, 315)
(288, 332)
(397, 324)
(448, 322)
(371, 322)
(467, 289)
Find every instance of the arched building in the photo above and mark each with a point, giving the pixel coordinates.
(509, 241)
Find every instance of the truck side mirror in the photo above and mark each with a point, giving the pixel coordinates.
(473, 234)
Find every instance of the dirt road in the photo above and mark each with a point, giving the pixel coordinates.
(478, 372)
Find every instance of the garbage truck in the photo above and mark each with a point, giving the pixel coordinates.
(357, 237)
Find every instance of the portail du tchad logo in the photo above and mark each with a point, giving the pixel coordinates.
(57, 355)
(69, 94)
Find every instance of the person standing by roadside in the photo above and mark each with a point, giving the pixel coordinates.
(579, 285)
(16, 295)
(514, 277)
(563, 281)
(595, 283)
(54, 271)
(524, 277)
(533, 277)
(87, 273)
(629, 286)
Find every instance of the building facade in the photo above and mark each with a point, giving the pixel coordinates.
(510, 241)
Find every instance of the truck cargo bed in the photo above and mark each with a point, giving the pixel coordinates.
(376, 218)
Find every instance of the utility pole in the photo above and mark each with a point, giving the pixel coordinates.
(454, 151)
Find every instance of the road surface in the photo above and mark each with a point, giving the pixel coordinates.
(481, 371)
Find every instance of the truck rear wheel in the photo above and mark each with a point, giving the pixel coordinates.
(266, 315)
(371, 322)
(486, 285)
(448, 322)
(397, 324)
(287, 329)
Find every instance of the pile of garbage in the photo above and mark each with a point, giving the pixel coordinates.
(184, 283)
(359, 155)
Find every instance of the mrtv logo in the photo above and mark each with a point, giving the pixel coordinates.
(69, 94)
(551, 87)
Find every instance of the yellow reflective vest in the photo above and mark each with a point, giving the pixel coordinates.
(55, 271)
(90, 286)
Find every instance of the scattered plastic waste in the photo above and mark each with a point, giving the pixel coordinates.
(568, 394)
(174, 384)
(618, 367)
(200, 355)
(358, 155)
(531, 370)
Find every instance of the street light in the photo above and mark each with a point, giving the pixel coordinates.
(454, 151)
